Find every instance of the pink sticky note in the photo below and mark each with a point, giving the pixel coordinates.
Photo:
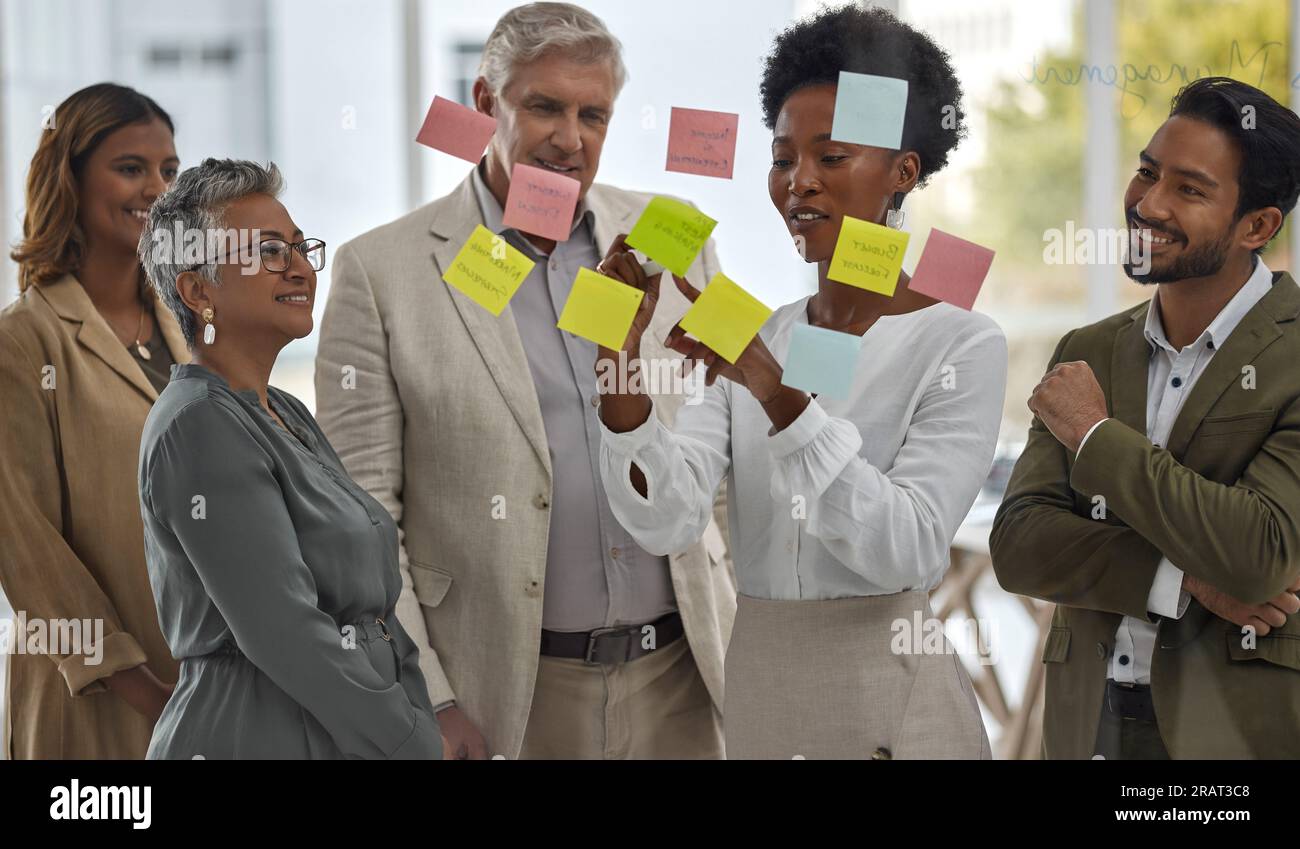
(951, 269)
(701, 142)
(457, 130)
(541, 202)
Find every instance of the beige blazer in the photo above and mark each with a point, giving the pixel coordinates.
(429, 401)
(74, 403)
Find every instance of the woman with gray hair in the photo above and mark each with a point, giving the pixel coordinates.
(274, 574)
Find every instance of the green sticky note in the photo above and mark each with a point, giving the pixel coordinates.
(868, 256)
(725, 317)
(488, 270)
(600, 308)
(671, 233)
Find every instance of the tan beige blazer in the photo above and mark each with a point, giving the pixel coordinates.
(429, 402)
(74, 404)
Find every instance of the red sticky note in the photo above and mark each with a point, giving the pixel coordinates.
(701, 142)
(951, 269)
(457, 130)
(541, 202)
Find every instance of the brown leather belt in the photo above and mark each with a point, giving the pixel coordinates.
(614, 645)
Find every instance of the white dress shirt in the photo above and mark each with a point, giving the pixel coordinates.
(858, 496)
(1171, 374)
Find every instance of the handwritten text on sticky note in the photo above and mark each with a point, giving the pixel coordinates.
(951, 269)
(821, 361)
(702, 142)
(457, 130)
(868, 256)
(541, 202)
(672, 233)
(725, 317)
(869, 110)
(488, 270)
(600, 308)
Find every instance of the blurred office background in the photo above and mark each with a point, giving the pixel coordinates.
(1060, 95)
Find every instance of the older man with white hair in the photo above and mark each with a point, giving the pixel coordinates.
(545, 630)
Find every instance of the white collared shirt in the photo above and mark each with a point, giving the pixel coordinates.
(858, 496)
(1171, 375)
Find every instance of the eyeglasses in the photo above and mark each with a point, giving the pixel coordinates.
(276, 258)
(274, 254)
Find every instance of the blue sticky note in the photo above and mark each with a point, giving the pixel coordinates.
(821, 361)
(870, 110)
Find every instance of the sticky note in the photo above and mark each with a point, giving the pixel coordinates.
(821, 361)
(951, 269)
(868, 256)
(869, 110)
(725, 317)
(541, 202)
(672, 233)
(488, 270)
(457, 130)
(702, 142)
(600, 308)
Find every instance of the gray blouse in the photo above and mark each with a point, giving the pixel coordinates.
(276, 579)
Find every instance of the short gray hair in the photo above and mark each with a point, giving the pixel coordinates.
(526, 33)
(197, 201)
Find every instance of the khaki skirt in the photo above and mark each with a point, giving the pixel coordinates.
(821, 680)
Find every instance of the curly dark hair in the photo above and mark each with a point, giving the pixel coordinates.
(871, 41)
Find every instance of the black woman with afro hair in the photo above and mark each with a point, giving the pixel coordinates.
(841, 509)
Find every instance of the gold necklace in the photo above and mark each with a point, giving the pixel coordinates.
(139, 346)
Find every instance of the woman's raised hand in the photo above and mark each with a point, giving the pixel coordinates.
(755, 368)
(620, 264)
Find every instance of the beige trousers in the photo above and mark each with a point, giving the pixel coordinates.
(652, 708)
(821, 680)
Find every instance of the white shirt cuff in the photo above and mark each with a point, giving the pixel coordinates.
(629, 442)
(799, 432)
(1084, 441)
(1167, 597)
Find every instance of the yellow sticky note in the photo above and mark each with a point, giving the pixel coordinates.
(868, 256)
(725, 317)
(488, 270)
(600, 308)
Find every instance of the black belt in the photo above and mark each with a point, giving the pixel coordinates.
(1130, 701)
(614, 645)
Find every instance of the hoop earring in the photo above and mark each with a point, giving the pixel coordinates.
(894, 218)
(209, 329)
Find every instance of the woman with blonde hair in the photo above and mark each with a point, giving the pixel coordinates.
(83, 355)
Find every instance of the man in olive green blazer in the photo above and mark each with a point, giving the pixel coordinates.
(1157, 501)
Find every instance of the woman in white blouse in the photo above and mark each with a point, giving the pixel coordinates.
(841, 511)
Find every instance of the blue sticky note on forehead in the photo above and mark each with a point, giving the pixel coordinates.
(821, 361)
(870, 110)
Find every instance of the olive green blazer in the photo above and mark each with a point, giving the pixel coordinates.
(1221, 501)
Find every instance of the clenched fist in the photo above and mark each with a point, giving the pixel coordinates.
(1069, 401)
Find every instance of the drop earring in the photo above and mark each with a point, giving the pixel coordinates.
(894, 217)
(209, 329)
